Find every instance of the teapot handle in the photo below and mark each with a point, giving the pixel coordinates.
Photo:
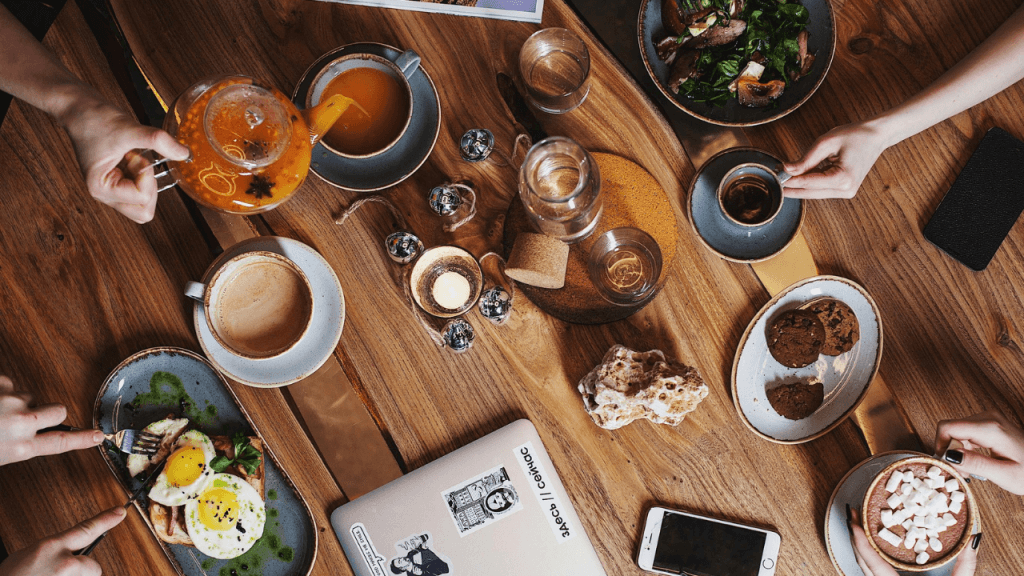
(164, 179)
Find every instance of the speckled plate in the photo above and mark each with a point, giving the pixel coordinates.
(405, 157)
(289, 542)
(319, 341)
(821, 43)
(845, 377)
(851, 490)
(726, 238)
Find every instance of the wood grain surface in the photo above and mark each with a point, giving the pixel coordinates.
(82, 288)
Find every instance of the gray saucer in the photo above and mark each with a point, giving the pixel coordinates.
(726, 238)
(405, 157)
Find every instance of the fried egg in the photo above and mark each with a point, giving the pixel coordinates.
(168, 430)
(187, 471)
(227, 518)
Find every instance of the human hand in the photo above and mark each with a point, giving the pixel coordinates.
(55, 554)
(20, 424)
(107, 142)
(872, 564)
(845, 155)
(989, 430)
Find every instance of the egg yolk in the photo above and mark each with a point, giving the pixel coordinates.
(218, 509)
(185, 466)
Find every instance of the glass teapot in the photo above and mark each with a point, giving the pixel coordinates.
(251, 147)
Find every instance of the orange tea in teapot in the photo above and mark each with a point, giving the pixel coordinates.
(251, 146)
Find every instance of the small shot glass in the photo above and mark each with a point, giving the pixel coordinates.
(554, 65)
(624, 265)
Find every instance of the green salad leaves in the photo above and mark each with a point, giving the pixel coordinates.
(246, 456)
(772, 29)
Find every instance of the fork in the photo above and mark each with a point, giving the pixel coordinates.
(128, 441)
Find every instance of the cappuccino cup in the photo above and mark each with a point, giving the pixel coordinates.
(258, 305)
(751, 194)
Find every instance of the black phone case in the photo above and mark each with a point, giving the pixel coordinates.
(984, 202)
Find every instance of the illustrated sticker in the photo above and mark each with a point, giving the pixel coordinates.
(416, 557)
(374, 561)
(545, 492)
(481, 501)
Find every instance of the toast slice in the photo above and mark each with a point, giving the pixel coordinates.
(170, 523)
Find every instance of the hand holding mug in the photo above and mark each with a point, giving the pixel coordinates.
(837, 163)
(20, 423)
(871, 564)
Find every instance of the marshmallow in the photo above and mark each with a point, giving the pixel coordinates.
(900, 515)
(919, 520)
(906, 489)
(908, 524)
(931, 534)
(887, 520)
(948, 519)
(914, 510)
(917, 532)
(957, 496)
(955, 506)
(934, 472)
(894, 482)
(909, 542)
(933, 483)
(908, 476)
(889, 537)
(942, 507)
(916, 483)
(935, 544)
(951, 485)
(894, 501)
(921, 545)
(922, 558)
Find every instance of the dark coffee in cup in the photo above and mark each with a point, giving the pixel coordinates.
(751, 194)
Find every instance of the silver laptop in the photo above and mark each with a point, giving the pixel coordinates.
(492, 508)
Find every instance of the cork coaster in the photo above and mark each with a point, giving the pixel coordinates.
(632, 197)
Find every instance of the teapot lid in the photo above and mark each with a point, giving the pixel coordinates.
(247, 125)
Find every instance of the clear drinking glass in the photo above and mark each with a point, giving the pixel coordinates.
(555, 68)
(560, 186)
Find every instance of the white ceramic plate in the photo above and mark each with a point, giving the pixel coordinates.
(310, 353)
(851, 491)
(845, 377)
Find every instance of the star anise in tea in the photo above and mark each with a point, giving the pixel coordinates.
(260, 187)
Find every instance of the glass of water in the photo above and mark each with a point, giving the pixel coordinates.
(555, 68)
(560, 186)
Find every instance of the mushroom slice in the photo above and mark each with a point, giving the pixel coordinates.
(752, 70)
(720, 35)
(672, 17)
(736, 8)
(753, 94)
(684, 69)
(667, 49)
(806, 60)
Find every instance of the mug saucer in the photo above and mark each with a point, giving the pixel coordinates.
(320, 340)
(405, 157)
(728, 239)
(851, 490)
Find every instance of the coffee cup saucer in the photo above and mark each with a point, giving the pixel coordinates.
(726, 238)
(401, 160)
(320, 339)
(850, 491)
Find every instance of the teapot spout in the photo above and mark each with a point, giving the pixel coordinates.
(322, 117)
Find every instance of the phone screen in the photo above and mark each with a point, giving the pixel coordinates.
(705, 548)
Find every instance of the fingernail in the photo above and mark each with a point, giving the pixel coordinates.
(954, 457)
(97, 437)
(977, 541)
(968, 480)
(120, 511)
(848, 517)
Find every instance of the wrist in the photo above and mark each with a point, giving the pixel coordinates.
(70, 102)
(888, 127)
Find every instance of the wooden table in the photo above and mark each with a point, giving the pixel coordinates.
(84, 288)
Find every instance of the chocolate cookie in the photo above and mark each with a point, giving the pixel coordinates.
(841, 327)
(795, 338)
(797, 400)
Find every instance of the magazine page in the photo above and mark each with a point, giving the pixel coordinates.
(523, 10)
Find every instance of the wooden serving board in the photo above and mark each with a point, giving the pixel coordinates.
(632, 197)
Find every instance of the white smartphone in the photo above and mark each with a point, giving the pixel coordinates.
(679, 543)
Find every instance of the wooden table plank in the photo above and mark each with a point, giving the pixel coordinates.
(81, 288)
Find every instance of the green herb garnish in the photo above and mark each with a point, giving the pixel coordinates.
(246, 456)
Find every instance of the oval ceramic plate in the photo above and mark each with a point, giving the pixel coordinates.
(186, 386)
(405, 157)
(850, 491)
(315, 347)
(821, 43)
(727, 238)
(845, 377)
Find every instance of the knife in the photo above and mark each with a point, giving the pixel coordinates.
(520, 110)
(135, 496)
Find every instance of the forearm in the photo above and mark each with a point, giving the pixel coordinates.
(993, 66)
(29, 71)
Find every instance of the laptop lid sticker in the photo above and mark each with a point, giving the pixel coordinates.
(417, 557)
(374, 561)
(482, 500)
(549, 501)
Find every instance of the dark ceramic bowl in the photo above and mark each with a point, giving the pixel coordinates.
(821, 43)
